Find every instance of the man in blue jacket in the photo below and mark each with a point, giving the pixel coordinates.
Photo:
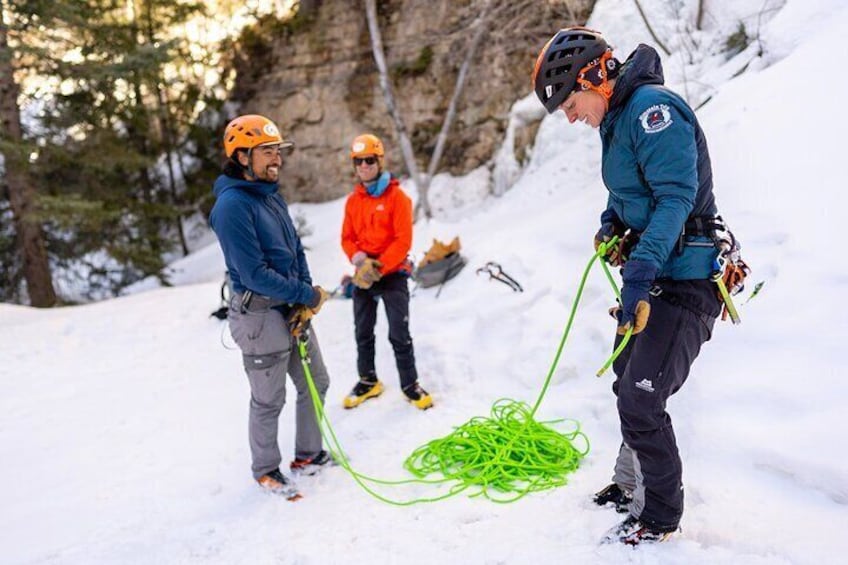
(273, 298)
(657, 170)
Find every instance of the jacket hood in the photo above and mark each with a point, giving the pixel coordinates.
(642, 67)
(259, 188)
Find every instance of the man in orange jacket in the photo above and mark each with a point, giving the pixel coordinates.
(377, 236)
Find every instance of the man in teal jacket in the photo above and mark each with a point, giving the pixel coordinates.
(273, 298)
(656, 167)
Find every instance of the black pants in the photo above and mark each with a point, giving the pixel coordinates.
(394, 292)
(652, 367)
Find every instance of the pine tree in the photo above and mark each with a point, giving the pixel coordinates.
(23, 252)
(118, 122)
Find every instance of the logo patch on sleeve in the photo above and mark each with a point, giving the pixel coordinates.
(656, 118)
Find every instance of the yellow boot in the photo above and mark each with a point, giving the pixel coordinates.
(363, 390)
(418, 396)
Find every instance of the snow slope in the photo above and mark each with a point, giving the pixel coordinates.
(123, 424)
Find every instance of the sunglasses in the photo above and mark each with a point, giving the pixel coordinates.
(283, 150)
(367, 160)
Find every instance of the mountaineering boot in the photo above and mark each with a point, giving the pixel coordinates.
(418, 396)
(364, 389)
(312, 465)
(277, 483)
(613, 493)
(633, 532)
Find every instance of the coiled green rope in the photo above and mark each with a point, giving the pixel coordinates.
(509, 452)
(505, 457)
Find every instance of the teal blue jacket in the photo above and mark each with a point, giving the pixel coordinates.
(657, 170)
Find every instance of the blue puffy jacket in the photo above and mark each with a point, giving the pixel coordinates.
(657, 169)
(261, 248)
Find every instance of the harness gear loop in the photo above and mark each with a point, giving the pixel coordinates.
(729, 269)
(495, 272)
(720, 270)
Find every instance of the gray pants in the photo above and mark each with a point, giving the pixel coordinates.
(269, 352)
(624, 474)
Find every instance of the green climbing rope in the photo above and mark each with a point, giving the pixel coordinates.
(503, 457)
(508, 452)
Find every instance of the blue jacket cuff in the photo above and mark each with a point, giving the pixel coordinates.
(637, 270)
(316, 298)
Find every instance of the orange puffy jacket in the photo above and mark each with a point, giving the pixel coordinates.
(381, 227)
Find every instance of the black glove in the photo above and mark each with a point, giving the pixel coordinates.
(605, 234)
(638, 276)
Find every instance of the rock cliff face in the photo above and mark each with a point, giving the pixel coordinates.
(315, 75)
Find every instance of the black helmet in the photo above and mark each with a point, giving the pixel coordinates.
(560, 61)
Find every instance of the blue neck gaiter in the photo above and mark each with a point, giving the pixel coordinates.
(379, 185)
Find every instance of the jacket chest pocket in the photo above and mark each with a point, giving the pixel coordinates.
(379, 218)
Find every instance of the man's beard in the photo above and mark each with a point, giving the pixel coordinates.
(271, 173)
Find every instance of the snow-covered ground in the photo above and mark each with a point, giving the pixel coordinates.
(123, 424)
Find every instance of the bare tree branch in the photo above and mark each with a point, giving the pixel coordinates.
(520, 23)
(482, 25)
(388, 95)
(650, 29)
(423, 181)
(699, 20)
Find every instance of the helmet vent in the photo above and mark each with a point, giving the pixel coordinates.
(562, 70)
(557, 67)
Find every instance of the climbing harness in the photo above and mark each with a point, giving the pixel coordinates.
(226, 292)
(729, 270)
(719, 270)
(495, 272)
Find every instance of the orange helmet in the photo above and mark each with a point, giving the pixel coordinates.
(367, 144)
(252, 130)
